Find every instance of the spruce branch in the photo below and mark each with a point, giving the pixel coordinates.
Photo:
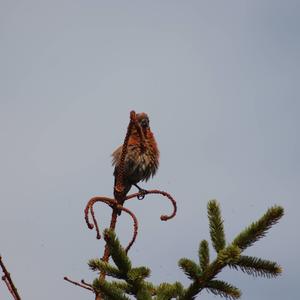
(141, 289)
(117, 252)
(258, 229)
(97, 264)
(109, 290)
(124, 286)
(131, 289)
(216, 225)
(134, 277)
(143, 294)
(203, 255)
(166, 291)
(190, 268)
(223, 289)
(257, 266)
(150, 287)
(138, 273)
(229, 255)
(191, 292)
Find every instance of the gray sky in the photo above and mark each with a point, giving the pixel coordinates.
(220, 81)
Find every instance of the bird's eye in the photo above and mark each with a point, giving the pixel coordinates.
(145, 123)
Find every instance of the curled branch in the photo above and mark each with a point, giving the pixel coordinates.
(90, 208)
(114, 204)
(135, 227)
(165, 194)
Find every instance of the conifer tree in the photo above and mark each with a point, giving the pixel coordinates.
(132, 281)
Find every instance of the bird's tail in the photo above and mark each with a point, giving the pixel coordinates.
(120, 197)
(119, 211)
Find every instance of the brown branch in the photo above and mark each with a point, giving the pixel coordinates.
(79, 284)
(89, 207)
(135, 227)
(98, 236)
(106, 253)
(165, 194)
(85, 283)
(8, 281)
(4, 278)
(119, 187)
(113, 203)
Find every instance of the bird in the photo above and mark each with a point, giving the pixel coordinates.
(141, 163)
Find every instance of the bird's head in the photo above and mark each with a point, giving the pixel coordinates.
(143, 120)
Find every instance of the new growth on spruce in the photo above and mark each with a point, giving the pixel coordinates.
(229, 255)
(131, 281)
(133, 278)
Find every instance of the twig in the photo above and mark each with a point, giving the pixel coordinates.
(95, 222)
(85, 283)
(106, 253)
(4, 278)
(8, 281)
(78, 284)
(135, 227)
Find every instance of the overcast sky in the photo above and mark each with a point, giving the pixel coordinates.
(220, 82)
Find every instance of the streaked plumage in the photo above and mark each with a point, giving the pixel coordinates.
(140, 164)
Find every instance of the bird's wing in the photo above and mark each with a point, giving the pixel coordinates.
(131, 159)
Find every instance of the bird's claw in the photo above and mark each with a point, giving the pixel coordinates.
(142, 194)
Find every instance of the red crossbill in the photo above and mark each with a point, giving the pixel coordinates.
(140, 163)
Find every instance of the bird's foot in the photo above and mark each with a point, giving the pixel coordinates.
(142, 192)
